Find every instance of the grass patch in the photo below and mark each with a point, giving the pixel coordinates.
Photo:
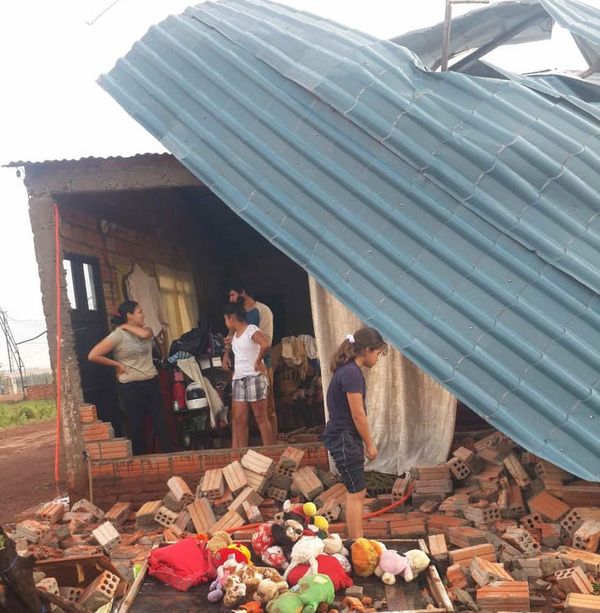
(24, 412)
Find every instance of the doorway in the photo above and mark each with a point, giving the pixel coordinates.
(89, 322)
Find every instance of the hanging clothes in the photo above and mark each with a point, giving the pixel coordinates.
(143, 288)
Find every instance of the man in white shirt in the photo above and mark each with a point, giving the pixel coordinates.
(260, 315)
(250, 383)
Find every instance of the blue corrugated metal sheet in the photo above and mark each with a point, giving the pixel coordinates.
(456, 214)
(583, 21)
(478, 27)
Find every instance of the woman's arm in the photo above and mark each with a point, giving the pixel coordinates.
(265, 344)
(359, 417)
(98, 355)
(144, 333)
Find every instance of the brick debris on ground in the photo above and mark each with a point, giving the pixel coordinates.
(508, 531)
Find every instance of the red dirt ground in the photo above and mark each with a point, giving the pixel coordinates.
(26, 469)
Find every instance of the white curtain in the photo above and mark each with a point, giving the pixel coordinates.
(179, 296)
(410, 415)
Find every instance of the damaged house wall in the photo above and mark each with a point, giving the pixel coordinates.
(46, 183)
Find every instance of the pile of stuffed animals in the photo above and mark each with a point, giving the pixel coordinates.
(303, 565)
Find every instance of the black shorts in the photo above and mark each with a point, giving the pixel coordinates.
(348, 453)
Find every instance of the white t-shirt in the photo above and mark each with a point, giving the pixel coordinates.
(245, 351)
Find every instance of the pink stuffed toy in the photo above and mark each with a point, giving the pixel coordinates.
(391, 564)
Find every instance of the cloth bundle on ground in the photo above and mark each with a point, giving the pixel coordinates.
(182, 565)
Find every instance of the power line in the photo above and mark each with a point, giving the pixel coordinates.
(91, 23)
(32, 339)
(24, 321)
(15, 362)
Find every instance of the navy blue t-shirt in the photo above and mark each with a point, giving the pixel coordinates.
(347, 379)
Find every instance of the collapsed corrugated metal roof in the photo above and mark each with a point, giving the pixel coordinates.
(511, 22)
(504, 23)
(459, 215)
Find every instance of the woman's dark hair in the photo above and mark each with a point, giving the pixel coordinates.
(233, 309)
(126, 308)
(364, 339)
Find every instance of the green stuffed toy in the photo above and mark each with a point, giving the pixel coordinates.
(305, 597)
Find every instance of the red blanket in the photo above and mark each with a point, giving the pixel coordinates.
(182, 565)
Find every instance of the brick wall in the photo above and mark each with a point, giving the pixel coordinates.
(142, 478)
(41, 392)
(122, 245)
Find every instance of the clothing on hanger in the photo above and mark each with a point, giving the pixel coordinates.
(143, 288)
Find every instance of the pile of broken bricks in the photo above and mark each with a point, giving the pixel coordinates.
(508, 531)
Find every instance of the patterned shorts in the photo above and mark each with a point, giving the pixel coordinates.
(251, 389)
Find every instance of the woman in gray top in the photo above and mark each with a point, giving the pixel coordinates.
(131, 346)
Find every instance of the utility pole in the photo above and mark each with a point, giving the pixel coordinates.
(448, 26)
(15, 363)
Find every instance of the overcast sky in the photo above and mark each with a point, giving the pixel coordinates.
(52, 108)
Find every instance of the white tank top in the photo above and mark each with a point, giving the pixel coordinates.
(245, 351)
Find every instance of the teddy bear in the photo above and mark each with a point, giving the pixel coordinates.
(391, 564)
(220, 540)
(268, 590)
(306, 551)
(418, 561)
(245, 581)
(365, 556)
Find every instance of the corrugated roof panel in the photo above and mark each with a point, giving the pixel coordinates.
(362, 168)
(477, 28)
(583, 21)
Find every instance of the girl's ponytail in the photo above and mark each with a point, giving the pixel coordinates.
(356, 344)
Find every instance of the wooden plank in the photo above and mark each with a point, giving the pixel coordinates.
(131, 595)
(437, 589)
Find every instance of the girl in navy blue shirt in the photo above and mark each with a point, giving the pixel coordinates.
(347, 435)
